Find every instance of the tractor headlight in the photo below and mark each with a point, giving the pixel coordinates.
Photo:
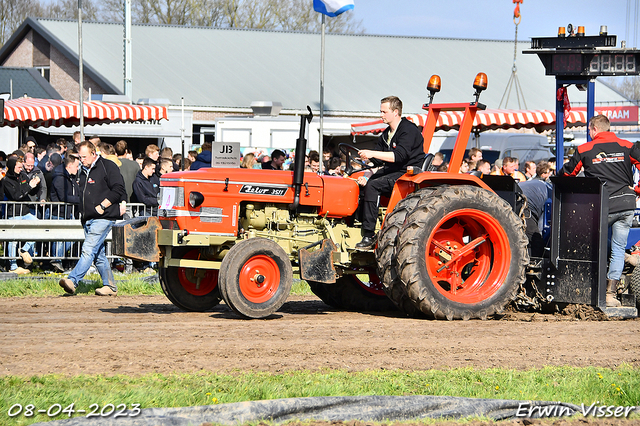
(195, 199)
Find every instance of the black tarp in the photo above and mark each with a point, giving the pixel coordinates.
(364, 408)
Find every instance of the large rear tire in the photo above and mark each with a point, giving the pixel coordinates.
(386, 258)
(360, 293)
(190, 289)
(463, 253)
(256, 277)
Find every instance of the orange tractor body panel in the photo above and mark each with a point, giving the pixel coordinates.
(407, 184)
(225, 189)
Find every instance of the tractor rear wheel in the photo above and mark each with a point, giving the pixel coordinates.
(634, 284)
(463, 253)
(256, 277)
(362, 292)
(386, 252)
(191, 289)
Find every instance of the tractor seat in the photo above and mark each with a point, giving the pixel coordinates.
(426, 163)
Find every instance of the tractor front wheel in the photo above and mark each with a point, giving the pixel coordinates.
(256, 277)
(463, 253)
(191, 289)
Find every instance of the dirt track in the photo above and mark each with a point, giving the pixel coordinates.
(142, 334)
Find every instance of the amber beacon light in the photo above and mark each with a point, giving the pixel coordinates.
(480, 84)
(433, 86)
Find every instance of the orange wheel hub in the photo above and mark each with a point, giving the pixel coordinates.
(468, 256)
(259, 279)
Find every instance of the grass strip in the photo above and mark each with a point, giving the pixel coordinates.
(128, 284)
(620, 387)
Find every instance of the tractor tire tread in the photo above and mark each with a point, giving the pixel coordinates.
(426, 211)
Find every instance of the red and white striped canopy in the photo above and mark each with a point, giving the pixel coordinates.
(55, 113)
(492, 119)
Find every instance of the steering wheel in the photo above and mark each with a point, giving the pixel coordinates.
(347, 150)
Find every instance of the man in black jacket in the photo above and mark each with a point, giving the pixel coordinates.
(101, 191)
(17, 186)
(399, 146)
(277, 160)
(611, 160)
(146, 186)
(64, 189)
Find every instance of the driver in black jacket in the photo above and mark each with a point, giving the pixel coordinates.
(399, 146)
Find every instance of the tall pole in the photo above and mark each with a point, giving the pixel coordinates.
(80, 71)
(321, 95)
(128, 89)
(182, 137)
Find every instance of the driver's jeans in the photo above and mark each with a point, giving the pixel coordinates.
(375, 187)
(619, 224)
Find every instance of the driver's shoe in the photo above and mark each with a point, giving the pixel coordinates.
(367, 243)
(612, 290)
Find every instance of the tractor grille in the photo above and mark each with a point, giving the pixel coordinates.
(211, 214)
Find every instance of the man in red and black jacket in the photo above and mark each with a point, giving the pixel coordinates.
(610, 159)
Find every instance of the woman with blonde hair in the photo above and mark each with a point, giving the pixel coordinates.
(248, 161)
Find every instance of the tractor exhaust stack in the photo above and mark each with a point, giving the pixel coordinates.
(301, 150)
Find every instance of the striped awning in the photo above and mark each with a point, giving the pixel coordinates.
(54, 112)
(485, 120)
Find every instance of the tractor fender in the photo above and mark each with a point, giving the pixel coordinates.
(407, 183)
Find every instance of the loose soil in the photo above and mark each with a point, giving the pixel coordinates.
(136, 335)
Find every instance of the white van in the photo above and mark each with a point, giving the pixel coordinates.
(523, 146)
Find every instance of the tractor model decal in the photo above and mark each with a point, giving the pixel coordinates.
(263, 190)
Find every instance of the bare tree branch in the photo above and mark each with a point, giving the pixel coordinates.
(287, 15)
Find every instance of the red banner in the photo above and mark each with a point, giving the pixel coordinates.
(618, 115)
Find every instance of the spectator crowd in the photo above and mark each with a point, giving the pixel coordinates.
(35, 175)
(43, 183)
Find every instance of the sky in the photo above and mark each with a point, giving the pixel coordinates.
(493, 19)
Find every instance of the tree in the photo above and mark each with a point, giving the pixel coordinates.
(13, 13)
(287, 15)
(68, 9)
(628, 86)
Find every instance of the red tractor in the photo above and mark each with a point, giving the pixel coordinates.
(449, 245)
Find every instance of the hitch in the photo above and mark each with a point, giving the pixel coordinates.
(137, 238)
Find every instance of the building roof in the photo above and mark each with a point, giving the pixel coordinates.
(230, 68)
(26, 81)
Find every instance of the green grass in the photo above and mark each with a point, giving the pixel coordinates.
(47, 285)
(128, 284)
(619, 386)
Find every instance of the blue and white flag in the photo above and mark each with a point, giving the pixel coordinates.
(332, 7)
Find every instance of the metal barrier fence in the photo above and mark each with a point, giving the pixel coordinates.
(51, 226)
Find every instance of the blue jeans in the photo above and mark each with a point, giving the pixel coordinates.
(93, 251)
(619, 224)
(28, 246)
(58, 249)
